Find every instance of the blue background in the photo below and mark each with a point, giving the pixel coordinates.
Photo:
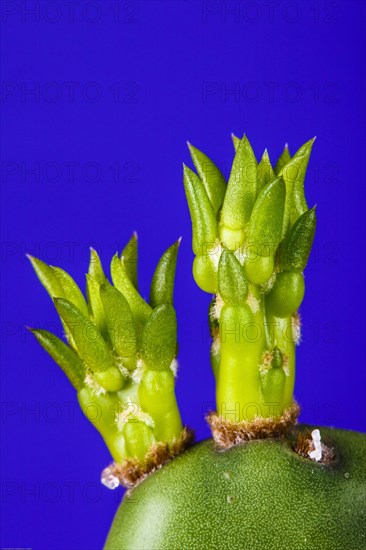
(99, 100)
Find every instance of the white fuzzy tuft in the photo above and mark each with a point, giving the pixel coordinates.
(174, 367)
(216, 255)
(268, 285)
(266, 362)
(253, 303)
(217, 307)
(132, 411)
(316, 454)
(138, 373)
(296, 328)
(215, 346)
(93, 385)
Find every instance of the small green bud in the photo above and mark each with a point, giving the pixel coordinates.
(205, 273)
(110, 379)
(286, 294)
(259, 269)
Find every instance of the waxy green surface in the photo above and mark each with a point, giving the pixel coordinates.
(257, 495)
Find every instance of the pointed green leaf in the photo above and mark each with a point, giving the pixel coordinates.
(204, 225)
(130, 258)
(211, 177)
(236, 141)
(265, 227)
(240, 195)
(120, 323)
(64, 356)
(90, 344)
(162, 285)
(71, 291)
(96, 309)
(293, 174)
(159, 338)
(95, 267)
(233, 287)
(140, 309)
(265, 173)
(51, 283)
(295, 249)
(46, 276)
(284, 158)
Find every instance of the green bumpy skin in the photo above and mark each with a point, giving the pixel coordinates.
(251, 238)
(120, 354)
(257, 495)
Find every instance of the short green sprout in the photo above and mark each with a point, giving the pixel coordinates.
(252, 239)
(120, 350)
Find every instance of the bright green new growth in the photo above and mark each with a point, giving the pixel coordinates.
(251, 248)
(121, 350)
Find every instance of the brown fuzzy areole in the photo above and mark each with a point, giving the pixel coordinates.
(227, 433)
(132, 471)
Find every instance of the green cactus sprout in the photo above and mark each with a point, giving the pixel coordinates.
(261, 481)
(252, 238)
(120, 354)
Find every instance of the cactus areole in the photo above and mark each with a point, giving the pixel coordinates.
(262, 481)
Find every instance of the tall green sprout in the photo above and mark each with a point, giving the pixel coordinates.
(251, 238)
(120, 350)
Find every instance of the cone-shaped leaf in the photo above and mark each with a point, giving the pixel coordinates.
(96, 309)
(140, 309)
(120, 323)
(212, 178)
(266, 221)
(130, 258)
(236, 141)
(95, 267)
(284, 158)
(52, 284)
(64, 356)
(162, 285)
(204, 225)
(293, 174)
(71, 291)
(277, 358)
(47, 277)
(241, 189)
(233, 286)
(265, 173)
(159, 338)
(90, 344)
(295, 249)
